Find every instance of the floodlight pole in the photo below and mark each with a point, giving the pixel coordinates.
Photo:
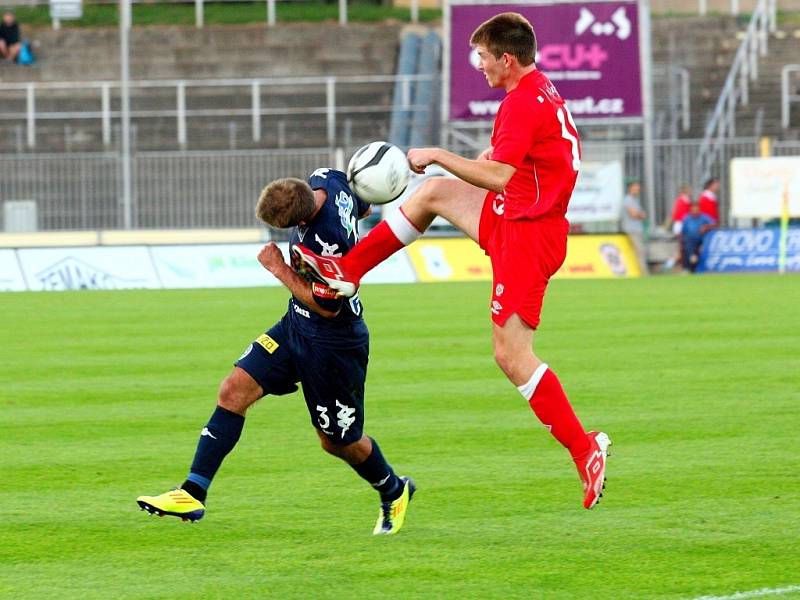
(124, 31)
(646, 59)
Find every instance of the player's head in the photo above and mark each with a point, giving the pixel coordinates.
(286, 203)
(711, 184)
(506, 34)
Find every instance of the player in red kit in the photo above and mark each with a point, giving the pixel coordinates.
(529, 172)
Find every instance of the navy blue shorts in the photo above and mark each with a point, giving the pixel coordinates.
(332, 377)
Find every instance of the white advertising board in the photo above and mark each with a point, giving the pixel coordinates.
(212, 266)
(94, 268)
(758, 186)
(11, 279)
(396, 269)
(598, 193)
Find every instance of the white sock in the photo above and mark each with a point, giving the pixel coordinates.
(402, 228)
(527, 389)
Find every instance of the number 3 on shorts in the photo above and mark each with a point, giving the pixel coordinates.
(564, 116)
(323, 418)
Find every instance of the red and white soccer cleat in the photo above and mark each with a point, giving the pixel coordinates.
(592, 468)
(328, 269)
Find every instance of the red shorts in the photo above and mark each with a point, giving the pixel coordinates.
(525, 254)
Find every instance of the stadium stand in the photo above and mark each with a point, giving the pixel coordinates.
(702, 46)
(187, 53)
(705, 47)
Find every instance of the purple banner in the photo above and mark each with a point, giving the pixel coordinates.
(589, 50)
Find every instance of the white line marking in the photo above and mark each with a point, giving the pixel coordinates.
(754, 593)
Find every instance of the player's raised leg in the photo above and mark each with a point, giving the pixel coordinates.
(457, 201)
(237, 392)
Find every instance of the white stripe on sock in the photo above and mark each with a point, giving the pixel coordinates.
(527, 389)
(404, 229)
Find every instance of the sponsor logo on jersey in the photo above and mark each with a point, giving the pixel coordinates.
(301, 311)
(267, 343)
(496, 307)
(499, 289)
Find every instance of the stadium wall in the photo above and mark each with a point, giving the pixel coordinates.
(219, 265)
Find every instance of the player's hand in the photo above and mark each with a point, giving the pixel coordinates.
(271, 257)
(419, 158)
(486, 154)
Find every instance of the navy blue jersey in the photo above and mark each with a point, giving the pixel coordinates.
(332, 232)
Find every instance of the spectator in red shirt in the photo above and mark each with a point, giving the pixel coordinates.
(708, 199)
(680, 207)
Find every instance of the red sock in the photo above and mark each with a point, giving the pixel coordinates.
(385, 239)
(553, 409)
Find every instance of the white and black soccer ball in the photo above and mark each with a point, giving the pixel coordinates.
(378, 172)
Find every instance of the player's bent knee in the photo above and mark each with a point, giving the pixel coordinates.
(234, 396)
(330, 446)
(432, 190)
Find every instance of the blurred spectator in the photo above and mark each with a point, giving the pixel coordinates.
(708, 199)
(680, 207)
(633, 217)
(694, 229)
(9, 37)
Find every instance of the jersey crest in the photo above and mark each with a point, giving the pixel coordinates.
(344, 202)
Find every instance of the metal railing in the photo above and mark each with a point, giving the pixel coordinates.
(787, 96)
(736, 88)
(82, 191)
(253, 90)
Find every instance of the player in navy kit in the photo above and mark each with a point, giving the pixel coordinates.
(321, 342)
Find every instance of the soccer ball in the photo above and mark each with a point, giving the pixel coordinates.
(378, 172)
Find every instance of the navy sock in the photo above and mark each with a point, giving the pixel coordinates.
(377, 472)
(217, 439)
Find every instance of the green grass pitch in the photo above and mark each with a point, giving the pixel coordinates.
(103, 395)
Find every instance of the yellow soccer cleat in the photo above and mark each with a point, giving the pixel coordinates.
(176, 503)
(393, 513)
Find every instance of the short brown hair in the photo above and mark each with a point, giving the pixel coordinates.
(507, 33)
(285, 202)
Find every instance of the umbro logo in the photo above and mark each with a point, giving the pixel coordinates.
(499, 204)
(208, 433)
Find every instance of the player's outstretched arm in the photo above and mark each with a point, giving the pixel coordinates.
(483, 172)
(271, 258)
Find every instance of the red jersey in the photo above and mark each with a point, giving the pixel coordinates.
(680, 208)
(534, 132)
(708, 205)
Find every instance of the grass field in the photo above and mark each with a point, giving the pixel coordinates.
(695, 379)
